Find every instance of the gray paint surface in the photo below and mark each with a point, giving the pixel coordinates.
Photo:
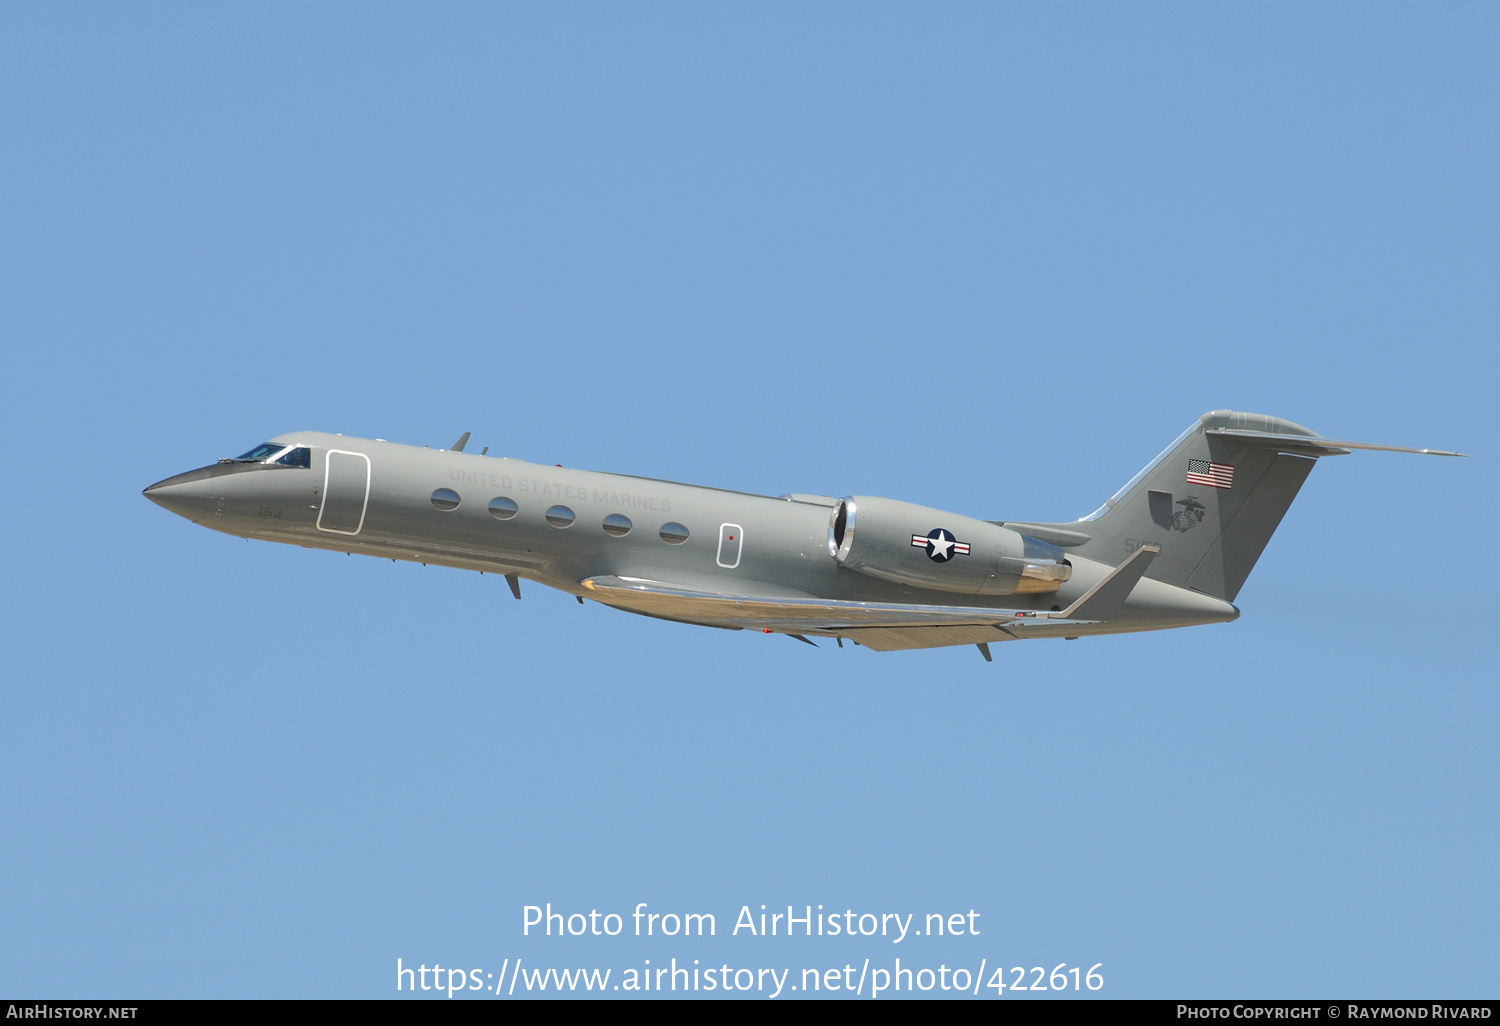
(906, 576)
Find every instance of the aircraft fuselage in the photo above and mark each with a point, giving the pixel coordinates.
(561, 527)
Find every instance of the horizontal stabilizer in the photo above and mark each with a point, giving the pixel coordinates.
(1318, 446)
(1103, 600)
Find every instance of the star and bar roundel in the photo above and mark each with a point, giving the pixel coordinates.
(941, 545)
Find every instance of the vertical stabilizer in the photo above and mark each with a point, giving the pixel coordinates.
(1210, 501)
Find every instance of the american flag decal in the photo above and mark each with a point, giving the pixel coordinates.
(1214, 475)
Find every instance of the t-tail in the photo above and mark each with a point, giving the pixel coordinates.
(1210, 501)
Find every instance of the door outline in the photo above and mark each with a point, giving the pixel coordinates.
(364, 507)
(739, 549)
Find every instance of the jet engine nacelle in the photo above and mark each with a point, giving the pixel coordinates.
(929, 548)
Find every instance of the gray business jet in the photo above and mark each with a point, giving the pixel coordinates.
(1170, 549)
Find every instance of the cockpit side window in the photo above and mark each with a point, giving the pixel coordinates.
(261, 452)
(298, 457)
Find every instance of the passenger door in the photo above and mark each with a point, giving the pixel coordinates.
(346, 492)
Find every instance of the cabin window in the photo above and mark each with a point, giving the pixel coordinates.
(560, 516)
(617, 525)
(673, 533)
(445, 499)
(502, 508)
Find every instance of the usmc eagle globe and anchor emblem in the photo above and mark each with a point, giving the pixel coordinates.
(941, 545)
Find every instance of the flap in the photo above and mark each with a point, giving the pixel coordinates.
(896, 639)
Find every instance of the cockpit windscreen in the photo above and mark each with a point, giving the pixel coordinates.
(286, 455)
(261, 452)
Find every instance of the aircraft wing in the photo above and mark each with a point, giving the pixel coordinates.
(883, 627)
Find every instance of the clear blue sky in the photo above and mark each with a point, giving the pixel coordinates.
(986, 258)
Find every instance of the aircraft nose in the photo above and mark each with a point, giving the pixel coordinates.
(186, 495)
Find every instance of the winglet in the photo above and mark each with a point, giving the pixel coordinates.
(514, 580)
(1103, 600)
(458, 446)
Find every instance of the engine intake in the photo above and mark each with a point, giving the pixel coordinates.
(923, 547)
